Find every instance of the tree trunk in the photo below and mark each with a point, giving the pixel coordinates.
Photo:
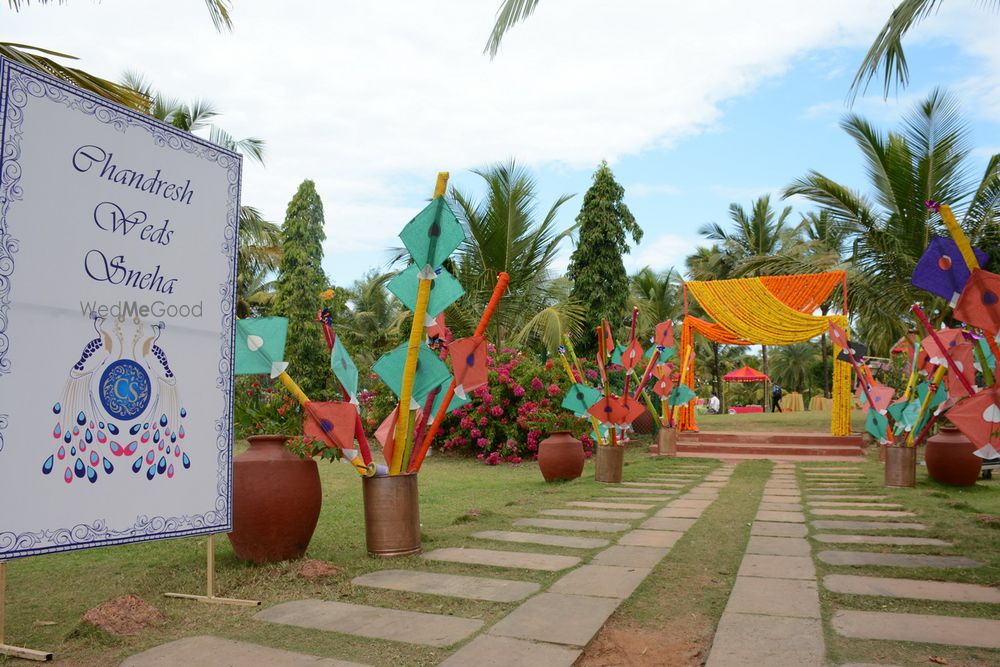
(767, 394)
(716, 378)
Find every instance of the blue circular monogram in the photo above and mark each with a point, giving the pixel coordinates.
(124, 389)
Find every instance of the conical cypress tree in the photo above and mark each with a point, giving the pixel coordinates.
(596, 268)
(300, 282)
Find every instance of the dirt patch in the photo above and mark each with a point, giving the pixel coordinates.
(679, 643)
(124, 616)
(315, 569)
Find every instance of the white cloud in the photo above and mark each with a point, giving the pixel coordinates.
(661, 252)
(371, 99)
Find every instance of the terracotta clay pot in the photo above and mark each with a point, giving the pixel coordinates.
(667, 439)
(608, 467)
(276, 501)
(901, 466)
(643, 424)
(560, 456)
(950, 459)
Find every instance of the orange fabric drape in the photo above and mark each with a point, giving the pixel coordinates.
(795, 298)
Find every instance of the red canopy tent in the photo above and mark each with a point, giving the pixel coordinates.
(745, 374)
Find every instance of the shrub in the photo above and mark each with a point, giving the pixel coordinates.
(520, 406)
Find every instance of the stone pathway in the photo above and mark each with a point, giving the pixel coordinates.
(215, 651)
(773, 615)
(852, 501)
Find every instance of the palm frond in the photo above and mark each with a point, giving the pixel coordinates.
(250, 146)
(510, 13)
(219, 11)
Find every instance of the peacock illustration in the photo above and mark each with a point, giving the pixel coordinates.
(120, 401)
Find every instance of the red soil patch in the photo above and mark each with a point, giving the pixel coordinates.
(315, 569)
(680, 643)
(124, 616)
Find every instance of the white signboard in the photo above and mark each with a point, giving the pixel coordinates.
(117, 269)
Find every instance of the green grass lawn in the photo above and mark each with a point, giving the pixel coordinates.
(805, 422)
(48, 595)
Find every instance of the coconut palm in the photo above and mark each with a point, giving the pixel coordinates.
(790, 365)
(504, 234)
(510, 12)
(926, 160)
(373, 321)
(886, 52)
(42, 58)
(657, 295)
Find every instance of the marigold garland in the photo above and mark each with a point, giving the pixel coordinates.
(775, 310)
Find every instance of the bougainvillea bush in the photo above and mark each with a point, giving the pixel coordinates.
(517, 409)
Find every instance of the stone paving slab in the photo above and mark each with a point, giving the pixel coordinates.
(543, 538)
(377, 622)
(841, 496)
(594, 514)
(621, 500)
(775, 597)
(787, 517)
(608, 505)
(680, 513)
(894, 540)
(925, 628)
(691, 503)
(603, 581)
(489, 651)
(814, 474)
(823, 524)
(667, 523)
(830, 468)
(853, 504)
(774, 641)
(658, 485)
(778, 546)
(895, 560)
(711, 485)
(659, 493)
(702, 493)
(626, 556)
(847, 512)
(781, 492)
(777, 567)
(913, 589)
(557, 618)
(205, 651)
(452, 585)
(570, 524)
(650, 538)
(780, 507)
(514, 559)
(777, 529)
(766, 498)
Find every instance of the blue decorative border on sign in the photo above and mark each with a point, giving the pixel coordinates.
(18, 84)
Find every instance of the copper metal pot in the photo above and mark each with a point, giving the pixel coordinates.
(609, 464)
(667, 438)
(901, 466)
(392, 515)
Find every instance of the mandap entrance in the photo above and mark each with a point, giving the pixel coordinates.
(770, 310)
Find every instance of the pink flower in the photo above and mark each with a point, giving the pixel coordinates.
(554, 390)
(518, 391)
(482, 443)
(475, 433)
(483, 421)
(536, 383)
(493, 459)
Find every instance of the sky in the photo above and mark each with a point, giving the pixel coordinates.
(694, 105)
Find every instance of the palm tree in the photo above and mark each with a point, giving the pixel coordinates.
(760, 233)
(886, 52)
(373, 321)
(926, 160)
(42, 59)
(657, 295)
(503, 234)
(259, 248)
(790, 365)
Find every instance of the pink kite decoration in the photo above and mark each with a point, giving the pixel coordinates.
(632, 355)
(979, 419)
(979, 304)
(468, 363)
(664, 336)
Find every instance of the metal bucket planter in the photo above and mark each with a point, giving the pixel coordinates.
(901, 466)
(609, 464)
(392, 515)
(667, 438)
